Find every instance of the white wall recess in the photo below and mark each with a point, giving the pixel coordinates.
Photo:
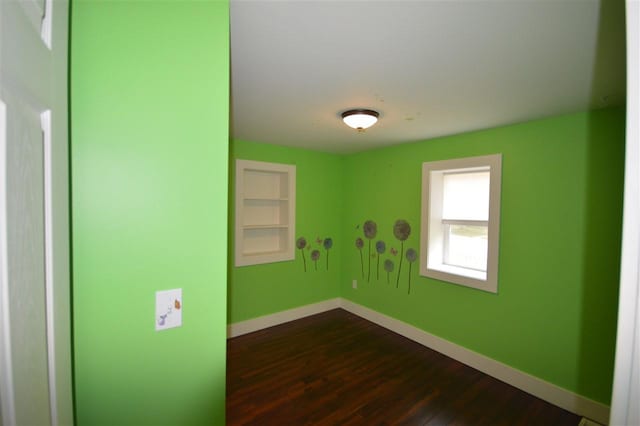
(265, 212)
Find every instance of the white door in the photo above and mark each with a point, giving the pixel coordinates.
(35, 344)
(625, 409)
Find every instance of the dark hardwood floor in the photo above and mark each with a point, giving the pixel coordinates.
(336, 368)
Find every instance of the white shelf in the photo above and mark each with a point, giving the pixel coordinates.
(265, 212)
(274, 226)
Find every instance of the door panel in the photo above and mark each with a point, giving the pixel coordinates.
(26, 263)
(35, 332)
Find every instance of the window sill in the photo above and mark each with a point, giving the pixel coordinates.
(460, 276)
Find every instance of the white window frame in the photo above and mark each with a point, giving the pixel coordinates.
(432, 238)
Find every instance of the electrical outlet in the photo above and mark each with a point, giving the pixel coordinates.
(354, 284)
(168, 309)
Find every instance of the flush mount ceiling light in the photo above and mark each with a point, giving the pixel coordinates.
(360, 119)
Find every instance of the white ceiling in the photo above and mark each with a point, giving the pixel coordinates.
(431, 68)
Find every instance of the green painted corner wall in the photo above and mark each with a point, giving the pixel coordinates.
(258, 290)
(149, 122)
(555, 312)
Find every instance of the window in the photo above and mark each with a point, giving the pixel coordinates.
(461, 221)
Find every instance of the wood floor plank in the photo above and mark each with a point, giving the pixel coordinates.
(336, 368)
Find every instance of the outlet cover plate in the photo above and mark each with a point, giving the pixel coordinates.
(168, 309)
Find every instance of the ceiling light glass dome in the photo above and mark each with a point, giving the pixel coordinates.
(360, 119)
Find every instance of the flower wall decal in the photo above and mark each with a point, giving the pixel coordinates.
(301, 243)
(388, 266)
(315, 255)
(380, 249)
(359, 245)
(327, 244)
(412, 255)
(314, 247)
(370, 229)
(401, 230)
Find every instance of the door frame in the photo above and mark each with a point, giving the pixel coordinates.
(626, 384)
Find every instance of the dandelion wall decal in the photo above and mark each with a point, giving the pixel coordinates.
(327, 243)
(388, 266)
(370, 229)
(359, 245)
(315, 255)
(301, 243)
(412, 255)
(401, 230)
(380, 249)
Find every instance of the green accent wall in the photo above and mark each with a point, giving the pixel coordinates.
(555, 312)
(258, 290)
(149, 122)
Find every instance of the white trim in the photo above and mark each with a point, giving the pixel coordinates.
(7, 397)
(626, 380)
(45, 119)
(47, 23)
(519, 379)
(544, 390)
(588, 422)
(255, 324)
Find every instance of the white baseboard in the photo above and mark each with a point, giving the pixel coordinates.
(519, 379)
(588, 422)
(544, 390)
(255, 324)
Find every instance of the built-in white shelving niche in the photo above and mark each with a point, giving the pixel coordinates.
(265, 212)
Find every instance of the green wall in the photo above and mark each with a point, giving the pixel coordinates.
(555, 312)
(149, 107)
(264, 289)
